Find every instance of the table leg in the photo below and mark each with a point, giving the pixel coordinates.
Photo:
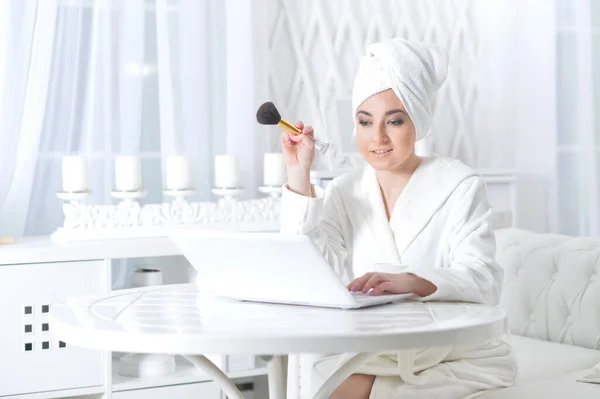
(211, 369)
(277, 372)
(342, 373)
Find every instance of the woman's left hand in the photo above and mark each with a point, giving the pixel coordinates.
(392, 283)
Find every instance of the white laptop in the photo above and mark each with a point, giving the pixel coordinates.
(268, 267)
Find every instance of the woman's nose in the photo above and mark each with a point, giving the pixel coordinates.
(380, 136)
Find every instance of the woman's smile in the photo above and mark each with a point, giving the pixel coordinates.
(382, 152)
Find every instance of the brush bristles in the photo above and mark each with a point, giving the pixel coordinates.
(267, 114)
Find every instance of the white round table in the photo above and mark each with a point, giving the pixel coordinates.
(178, 319)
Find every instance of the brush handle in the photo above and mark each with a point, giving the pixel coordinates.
(319, 145)
(287, 126)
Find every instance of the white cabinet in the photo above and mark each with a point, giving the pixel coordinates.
(36, 273)
(204, 390)
(32, 360)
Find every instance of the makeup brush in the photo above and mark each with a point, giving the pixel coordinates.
(267, 114)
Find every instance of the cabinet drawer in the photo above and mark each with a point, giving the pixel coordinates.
(32, 359)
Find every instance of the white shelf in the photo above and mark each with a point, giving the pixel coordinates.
(63, 393)
(94, 244)
(41, 249)
(185, 373)
(136, 233)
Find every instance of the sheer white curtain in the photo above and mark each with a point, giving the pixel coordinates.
(104, 78)
(552, 109)
(526, 107)
(578, 110)
(28, 41)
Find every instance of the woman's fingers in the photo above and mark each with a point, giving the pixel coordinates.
(385, 287)
(288, 148)
(296, 138)
(285, 140)
(358, 283)
(373, 281)
(305, 130)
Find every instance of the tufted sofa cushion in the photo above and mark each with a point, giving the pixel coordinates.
(563, 387)
(537, 359)
(551, 286)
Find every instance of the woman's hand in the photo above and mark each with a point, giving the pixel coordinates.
(298, 150)
(299, 154)
(392, 283)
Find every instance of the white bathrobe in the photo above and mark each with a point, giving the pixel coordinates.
(440, 228)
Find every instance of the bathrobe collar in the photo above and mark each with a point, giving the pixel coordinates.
(429, 187)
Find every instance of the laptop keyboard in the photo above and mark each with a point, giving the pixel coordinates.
(365, 299)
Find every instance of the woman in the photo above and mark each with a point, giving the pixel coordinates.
(429, 216)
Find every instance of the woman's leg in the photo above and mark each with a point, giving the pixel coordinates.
(357, 386)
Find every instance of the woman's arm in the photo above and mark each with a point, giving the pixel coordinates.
(318, 216)
(473, 275)
(305, 210)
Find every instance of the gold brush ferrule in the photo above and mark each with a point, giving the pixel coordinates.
(287, 126)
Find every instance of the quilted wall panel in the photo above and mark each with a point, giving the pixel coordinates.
(314, 47)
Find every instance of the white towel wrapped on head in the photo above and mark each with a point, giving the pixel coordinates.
(414, 71)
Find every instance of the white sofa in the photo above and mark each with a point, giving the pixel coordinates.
(552, 296)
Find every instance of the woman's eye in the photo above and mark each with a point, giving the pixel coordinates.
(396, 122)
(364, 123)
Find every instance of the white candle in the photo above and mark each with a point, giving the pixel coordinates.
(226, 171)
(74, 173)
(128, 173)
(178, 173)
(274, 170)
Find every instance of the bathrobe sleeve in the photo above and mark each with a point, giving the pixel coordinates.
(319, 218)
(473, 275)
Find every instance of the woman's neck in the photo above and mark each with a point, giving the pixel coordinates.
(394, 180)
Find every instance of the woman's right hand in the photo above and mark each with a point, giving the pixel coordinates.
(299, 153)
(298, 150)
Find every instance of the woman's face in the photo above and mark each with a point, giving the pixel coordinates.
(384, 132)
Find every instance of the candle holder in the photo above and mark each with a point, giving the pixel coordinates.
(179, 195)
(228, 194)
(73, 196)
(129, 196)
(273, 191)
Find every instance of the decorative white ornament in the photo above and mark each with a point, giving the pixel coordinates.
(73, 196)
(273, 191)
(130, 219)
(228, 194)
(178, 195)
(129, 195)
